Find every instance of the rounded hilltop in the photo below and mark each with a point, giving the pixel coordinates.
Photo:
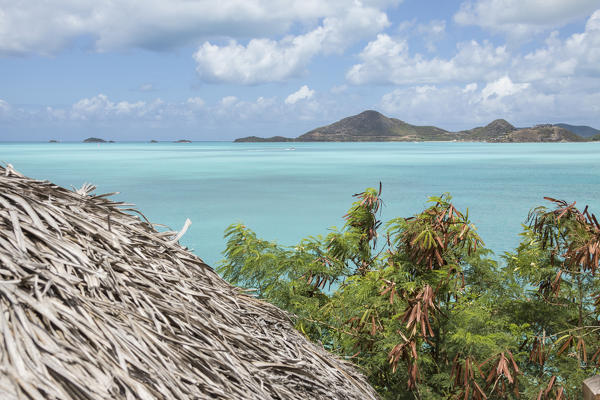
(372, 126)
(94, 140)
(97, 140)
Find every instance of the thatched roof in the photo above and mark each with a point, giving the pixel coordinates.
(96, 304)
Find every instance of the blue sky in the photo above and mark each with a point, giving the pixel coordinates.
(206, 70)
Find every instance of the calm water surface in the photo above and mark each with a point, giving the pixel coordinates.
(288, 191)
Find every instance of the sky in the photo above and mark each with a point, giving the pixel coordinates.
(132, 70)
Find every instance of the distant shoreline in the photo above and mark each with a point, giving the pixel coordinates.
(8, 142)
(372, 126)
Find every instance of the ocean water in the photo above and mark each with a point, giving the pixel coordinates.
(287, 191)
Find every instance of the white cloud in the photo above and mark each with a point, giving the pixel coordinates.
(560, 65)
(520, 18)
(228, 101)
(558, 81)
(453, 107)
(39, 26)
(13, 113)
(386, 60)
(266, 60)
(195, 102)
(102, 116)
(471, 87)
(431, 33)
(578, 56)
(222, 117)
(100, 107)
(228, 108)
(262, 60)
(502, 87)
(56, 114)
(5, 110)
(303, 93)
(231, 109)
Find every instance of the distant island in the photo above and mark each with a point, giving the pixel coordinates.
(581, 130)
(372, 126)
(183, 141)
(94, 140)
(271, 139)
(52, 141)
(154, 141)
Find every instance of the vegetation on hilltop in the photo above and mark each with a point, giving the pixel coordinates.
(372, 126)
(94, 140)
(543, 133)
(494, 130)
(422, 307)
(581, 130)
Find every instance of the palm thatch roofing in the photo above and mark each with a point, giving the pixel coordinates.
(97, 304)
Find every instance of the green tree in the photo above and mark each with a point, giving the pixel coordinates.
(426, 312)
(552, 274)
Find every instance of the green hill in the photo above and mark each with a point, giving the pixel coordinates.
(372, 126)
(581, 130)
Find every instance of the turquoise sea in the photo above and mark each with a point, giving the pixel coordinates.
(286, 191)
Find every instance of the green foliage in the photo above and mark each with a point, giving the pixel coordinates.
(555, 267)
(427, 313)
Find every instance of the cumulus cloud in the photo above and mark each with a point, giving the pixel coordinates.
(558, 65)
(5, 110)
(457, 107)
(502, 87)
(100, 107)
(578, 56)
(431, 33)
(224, 116)
(559, 80)
(471, 87)
(303, 93)
(195, 102)
(228, 101)
(233, 110)
(38, 26)
(387, 60)
(266, 60)
(262, 60)
(520, 18)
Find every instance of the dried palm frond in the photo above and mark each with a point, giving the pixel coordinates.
(96, 304)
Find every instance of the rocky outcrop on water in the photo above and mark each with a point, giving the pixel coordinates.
(94, 140)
